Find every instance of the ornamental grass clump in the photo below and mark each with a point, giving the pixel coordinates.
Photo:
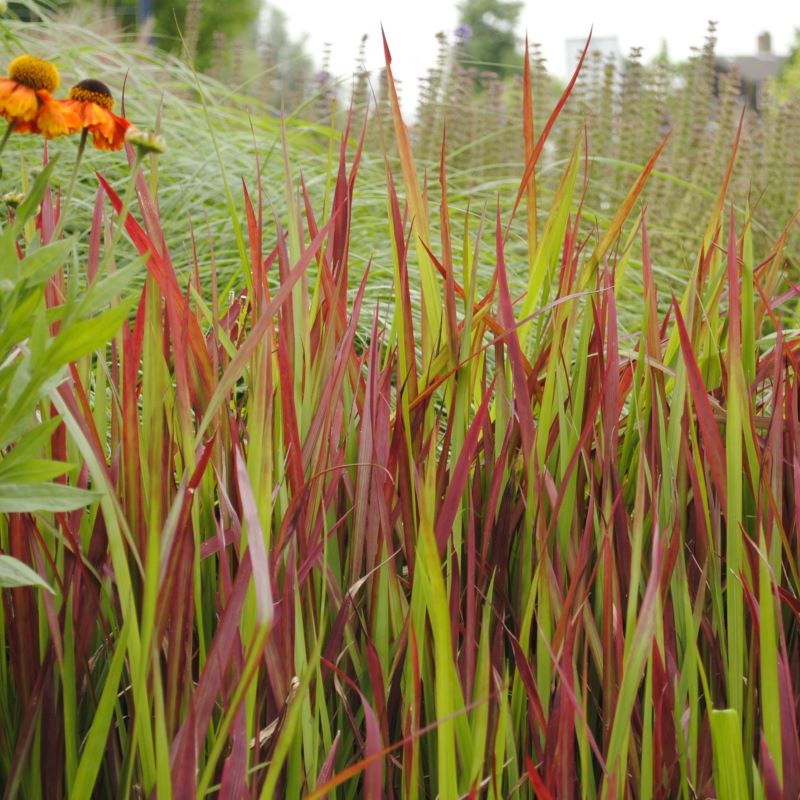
(263, 538)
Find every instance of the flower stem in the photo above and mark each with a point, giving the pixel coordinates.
(9, 130)
(62, 217)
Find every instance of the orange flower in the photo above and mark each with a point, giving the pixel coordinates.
(92, 102)
(27, 102)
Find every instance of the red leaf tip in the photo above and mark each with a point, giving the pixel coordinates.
(386, 53)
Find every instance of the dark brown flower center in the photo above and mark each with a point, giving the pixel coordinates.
(92, 91)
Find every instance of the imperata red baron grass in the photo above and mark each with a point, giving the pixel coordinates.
(273, 542)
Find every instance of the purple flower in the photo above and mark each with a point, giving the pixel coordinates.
(463, 33)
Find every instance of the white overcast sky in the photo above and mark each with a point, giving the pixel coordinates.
(411, 26)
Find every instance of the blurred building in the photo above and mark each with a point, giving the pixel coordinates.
(753, 70)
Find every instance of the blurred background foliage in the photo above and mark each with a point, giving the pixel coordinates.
(252, 70)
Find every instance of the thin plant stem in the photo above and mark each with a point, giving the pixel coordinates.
(6, 136)
(62, 217)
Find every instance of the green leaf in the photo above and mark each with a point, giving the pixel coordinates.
(730, 779)
(14, 573)
(80, 338)
(9, 260)
(40, 265)
(29, 444)
(32, 470)
(107, 289)
(638, 643)
(95, 748)
(30, 205)
(19, 316)
(30, 497)
(768, 651)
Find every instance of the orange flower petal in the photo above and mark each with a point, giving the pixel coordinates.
(6, 87)
(107, 129)
(25, 127)
(18, 102)
(116, 139)
(54, 119)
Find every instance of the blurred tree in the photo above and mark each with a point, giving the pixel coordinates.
(199, 21)
(209, 18)
(487, 35)
(287, 66)
(788, 82)
(246, 42)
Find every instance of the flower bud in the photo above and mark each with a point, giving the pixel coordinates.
(12, 199)
(145, 142)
